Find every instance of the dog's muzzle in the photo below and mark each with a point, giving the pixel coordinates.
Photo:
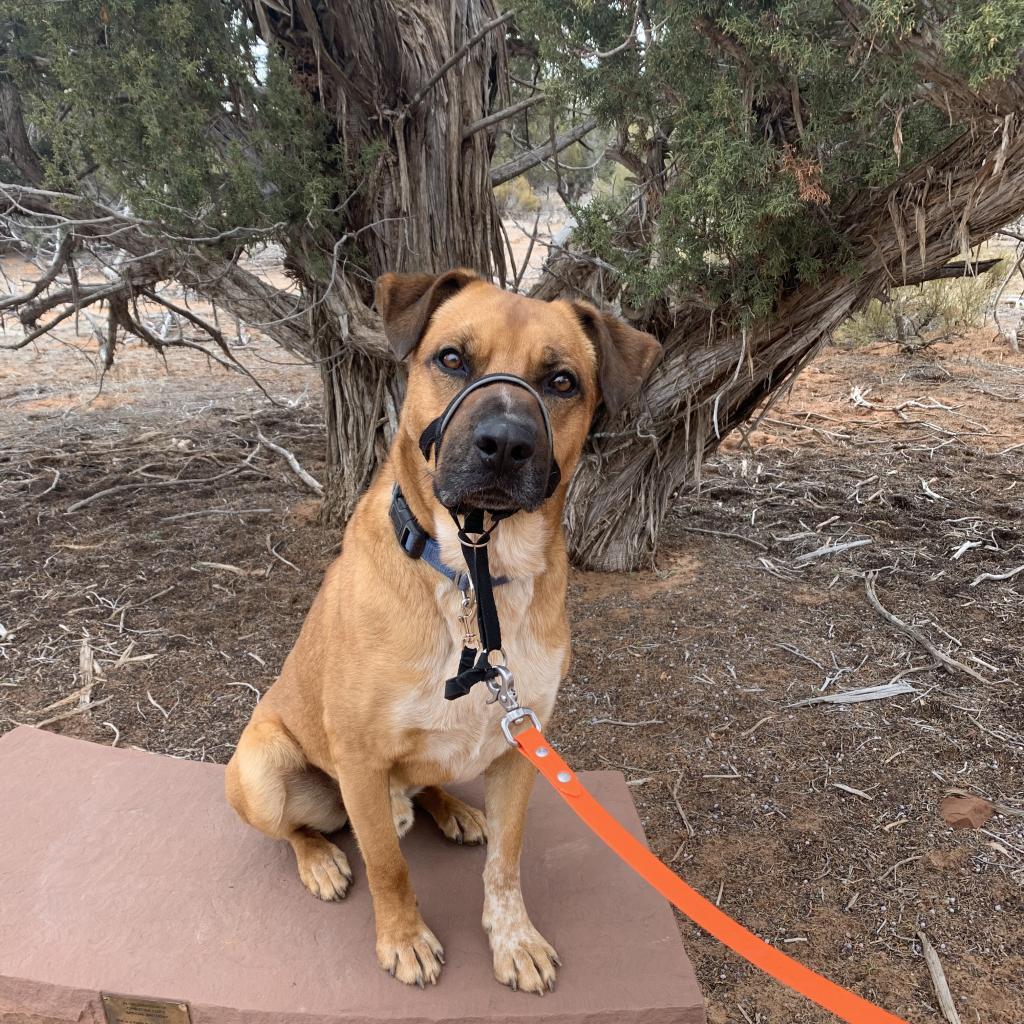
(433, 436)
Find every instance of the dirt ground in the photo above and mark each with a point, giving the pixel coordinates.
(143, 526)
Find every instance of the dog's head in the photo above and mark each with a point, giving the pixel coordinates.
(456, 328)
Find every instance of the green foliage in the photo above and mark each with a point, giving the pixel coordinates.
(748, 126)
(772, 117)
(176, 107)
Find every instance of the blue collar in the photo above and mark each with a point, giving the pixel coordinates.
(417, 543)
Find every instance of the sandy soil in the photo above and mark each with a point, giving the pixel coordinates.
(188, 573)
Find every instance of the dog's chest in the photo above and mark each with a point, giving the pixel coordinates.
(452, 741)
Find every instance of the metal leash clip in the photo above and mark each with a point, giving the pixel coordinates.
(503, 691)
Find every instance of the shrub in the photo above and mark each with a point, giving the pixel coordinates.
(516, 197)
(925, 314)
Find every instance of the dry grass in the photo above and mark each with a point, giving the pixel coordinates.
(925, 314)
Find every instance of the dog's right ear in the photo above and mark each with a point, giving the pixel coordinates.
(408, 301)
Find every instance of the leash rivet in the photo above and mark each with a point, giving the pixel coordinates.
(541, 751)
(564, 777)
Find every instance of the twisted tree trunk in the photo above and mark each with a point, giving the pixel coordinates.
(385, 72)
(713, 378)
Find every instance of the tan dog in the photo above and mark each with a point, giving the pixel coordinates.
(356, 726)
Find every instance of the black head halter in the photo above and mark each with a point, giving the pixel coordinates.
(475, 665)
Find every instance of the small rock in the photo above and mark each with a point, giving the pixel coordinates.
(965, 811)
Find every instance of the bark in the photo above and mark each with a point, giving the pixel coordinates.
(14, 141)
(380, 69)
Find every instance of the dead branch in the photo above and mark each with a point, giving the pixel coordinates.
(939, 983)
(310, 481)
(120, 488)
(502, 115)
(951, 664)
(726, 533)
(60, 259)
(956, 269)
(626, 44)
(72, 713)
(997, 575)
(521, 164)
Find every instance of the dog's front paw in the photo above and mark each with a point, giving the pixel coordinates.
(524, 960)
(413, 956)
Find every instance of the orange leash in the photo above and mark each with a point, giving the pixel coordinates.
(827, 994)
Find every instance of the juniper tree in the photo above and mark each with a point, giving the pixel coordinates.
(785, 163)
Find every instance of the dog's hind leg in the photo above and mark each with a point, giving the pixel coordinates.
(275, 789)
(460, 822)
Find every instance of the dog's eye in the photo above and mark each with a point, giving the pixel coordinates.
(563, 383)
(451, 359)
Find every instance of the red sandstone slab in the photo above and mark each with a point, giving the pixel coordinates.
(126, 872)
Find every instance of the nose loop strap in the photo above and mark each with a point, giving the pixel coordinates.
(431, 438)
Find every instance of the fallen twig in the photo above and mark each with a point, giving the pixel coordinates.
(272, 548)
(951, 664)
(249, 686)
(726, 533)
(227, 567)
(118, 488)
(855, 792)
(163, 711)
(87, 673)
(71, 713)
(756, 726)
(906, 860)
(214, 512)
(879, 692)
(310, 481)
(831, 549)
(939, 983)
(997, 575)
(679, 807)
(613, 721)
(965, 547)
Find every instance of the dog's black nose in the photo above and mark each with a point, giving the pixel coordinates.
(504, 443)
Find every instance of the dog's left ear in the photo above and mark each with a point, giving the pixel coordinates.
(408, 301)
(625, 356)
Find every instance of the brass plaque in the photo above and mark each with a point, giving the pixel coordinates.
(137, 1010)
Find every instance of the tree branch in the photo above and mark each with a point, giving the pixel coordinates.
(502, 115)
(522, 163)
(60, 258)
(959, 268)
(197, 263)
